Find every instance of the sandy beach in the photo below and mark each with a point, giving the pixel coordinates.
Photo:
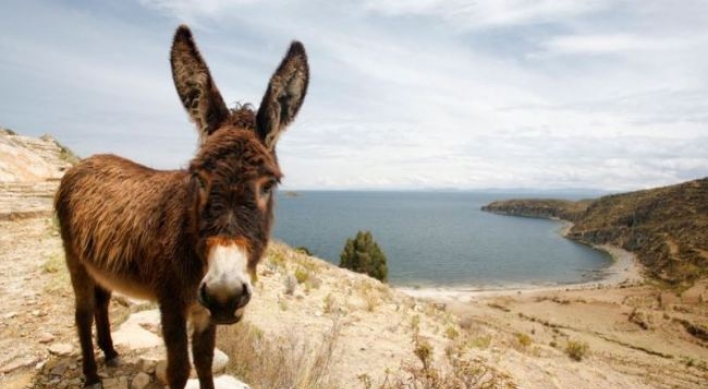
(635, 331)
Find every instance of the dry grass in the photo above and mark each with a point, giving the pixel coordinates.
(267, 363)
(523, 341)
(329, 303)
(371, 298)
(56, 268)
(301, 275)
(54, 264)
(290, 284)
(576, 350)
(454, 372)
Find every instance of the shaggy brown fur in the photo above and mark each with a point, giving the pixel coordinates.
(147, 232)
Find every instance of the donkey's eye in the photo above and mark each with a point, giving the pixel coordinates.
(267, 189)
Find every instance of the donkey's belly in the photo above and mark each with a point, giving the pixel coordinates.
(120, 284)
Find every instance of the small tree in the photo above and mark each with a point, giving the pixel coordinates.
(363, 255)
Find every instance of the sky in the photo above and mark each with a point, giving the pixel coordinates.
(404, 94)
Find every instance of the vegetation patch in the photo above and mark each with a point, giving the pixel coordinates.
(576, 350)
(455, 371)
(284, 362)
(363, 255)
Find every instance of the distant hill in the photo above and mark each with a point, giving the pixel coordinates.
(29, 159)
(30, 169)
(667, 228)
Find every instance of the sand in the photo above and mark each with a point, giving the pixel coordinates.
(635, 332)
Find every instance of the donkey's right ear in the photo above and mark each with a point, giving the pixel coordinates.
(195, 87)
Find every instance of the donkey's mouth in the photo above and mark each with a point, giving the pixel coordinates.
(224, 318)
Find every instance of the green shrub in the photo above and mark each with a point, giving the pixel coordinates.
(303, 250)
(301, 275)
(363, 255)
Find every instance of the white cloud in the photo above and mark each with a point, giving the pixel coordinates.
(415, 94)
(486, 13)
(620, 43)
(595, 44)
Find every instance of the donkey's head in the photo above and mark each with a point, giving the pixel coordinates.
(234, 172)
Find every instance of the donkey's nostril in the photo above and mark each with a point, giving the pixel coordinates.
(245, 297)
(202, 295)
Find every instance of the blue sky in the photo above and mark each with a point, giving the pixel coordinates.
(404, 94)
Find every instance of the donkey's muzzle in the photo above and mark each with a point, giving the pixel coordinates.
(225, 310)
(226, 287)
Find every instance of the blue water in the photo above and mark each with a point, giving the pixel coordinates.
(438, 238)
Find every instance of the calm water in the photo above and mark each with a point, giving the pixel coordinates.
(438, 239)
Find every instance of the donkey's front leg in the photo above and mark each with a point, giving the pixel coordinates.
(174, 332)
(203, 342)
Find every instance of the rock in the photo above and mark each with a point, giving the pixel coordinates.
(45, 338)
(115, 383)
(140, 381)
(147, 364)
(60, 368)
(221, 382)
(640, 318)
(18, 364)
(61, 349)
(161, 371)
(218, 365)
(220, 361)
(127, 301)
(132, 333)
(18, 381)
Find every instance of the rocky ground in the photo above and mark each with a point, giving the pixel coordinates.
(312, 325)
(636, 336)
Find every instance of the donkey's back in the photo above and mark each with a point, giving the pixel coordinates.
(116, 217)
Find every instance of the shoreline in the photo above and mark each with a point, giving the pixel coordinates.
(625, 269)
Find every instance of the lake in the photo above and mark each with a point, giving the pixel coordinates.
(439, 238)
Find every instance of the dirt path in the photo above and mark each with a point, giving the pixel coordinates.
(37, 336)
(36, 305)
(627, 329)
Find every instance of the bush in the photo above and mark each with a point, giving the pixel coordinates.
(291, 361)
(576, 350)
(303, 250)
(454, 372)
(524, 341)
(363, 255)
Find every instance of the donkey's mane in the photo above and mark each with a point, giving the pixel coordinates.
(243, 116)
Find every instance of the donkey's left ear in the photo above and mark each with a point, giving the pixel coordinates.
(285, 94)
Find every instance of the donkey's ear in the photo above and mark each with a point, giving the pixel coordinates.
(195, 86)
(282, 100)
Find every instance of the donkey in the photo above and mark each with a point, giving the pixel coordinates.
(189, 239)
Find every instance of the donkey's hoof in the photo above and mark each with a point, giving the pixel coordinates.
(97, 385)
(113, 362)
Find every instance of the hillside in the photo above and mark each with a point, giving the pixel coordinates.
(542, 208)
(30, 169)
(667, 228)
(312, 325)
